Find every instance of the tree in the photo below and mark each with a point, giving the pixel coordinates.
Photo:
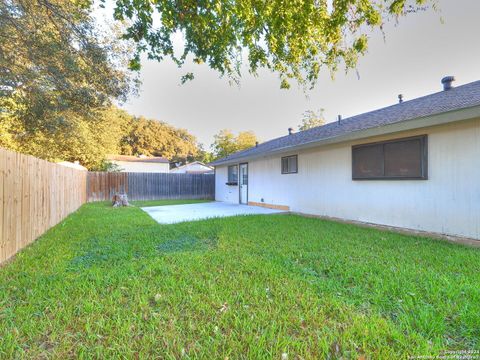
(292, 38)
(245, 140)
(76, 138)
(155, 138)
(312, 119)
(58, 77)
(202, 155)
(225, 143)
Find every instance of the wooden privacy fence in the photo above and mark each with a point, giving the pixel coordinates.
(34, 196)
(150, 186)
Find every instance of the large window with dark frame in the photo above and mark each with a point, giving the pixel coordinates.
(398, 159)
(233, 175)
(290, 164)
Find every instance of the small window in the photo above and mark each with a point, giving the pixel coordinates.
(396, 159)
(233, 174)
(290, 164)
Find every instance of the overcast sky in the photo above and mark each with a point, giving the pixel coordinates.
(416, 54)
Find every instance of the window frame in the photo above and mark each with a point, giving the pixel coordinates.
(229, 181)
(423, 159)
(287, 157)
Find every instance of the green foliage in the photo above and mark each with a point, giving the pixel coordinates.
(107, 166)
(203, 155)
(245, 140)
(295, 39)
(101, 285)
(155, 138)
(58, 77)
(226, 143)
(54, 58)
(311, 119)
(86, 139)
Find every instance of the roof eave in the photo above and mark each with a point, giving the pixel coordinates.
(404, 125)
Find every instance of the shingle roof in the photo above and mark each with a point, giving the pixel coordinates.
(192, 163)
(457, 98)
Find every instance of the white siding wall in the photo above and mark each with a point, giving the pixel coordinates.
(226, 193)
(134, 166)
(448, 202)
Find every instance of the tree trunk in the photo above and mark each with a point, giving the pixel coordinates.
(120, 200)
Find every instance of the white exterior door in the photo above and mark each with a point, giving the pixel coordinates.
(243, 184)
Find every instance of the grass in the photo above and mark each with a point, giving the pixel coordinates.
(145, 203)
(112, 283)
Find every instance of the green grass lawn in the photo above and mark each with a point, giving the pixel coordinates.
(110, 283)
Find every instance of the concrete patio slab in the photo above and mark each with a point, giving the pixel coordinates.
(172, 214)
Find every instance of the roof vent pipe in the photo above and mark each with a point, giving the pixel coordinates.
(256, 143)
(400, 98)
(290, 131)
(339, 117)
(447, 82)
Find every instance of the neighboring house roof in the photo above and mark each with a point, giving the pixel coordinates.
(186, 166)
(457, 98)
(73, 165)
(143, 159)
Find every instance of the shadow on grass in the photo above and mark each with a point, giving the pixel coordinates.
(120, 247)
(187, 243)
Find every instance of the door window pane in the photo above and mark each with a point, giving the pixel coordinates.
(244, 174)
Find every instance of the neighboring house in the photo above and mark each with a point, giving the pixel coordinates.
(73, 165)
(196, 167)
(412, 165)
(140, 163)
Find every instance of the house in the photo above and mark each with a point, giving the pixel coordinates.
(140, 163)
(413, 165)
(195, 167)
(73, 165)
